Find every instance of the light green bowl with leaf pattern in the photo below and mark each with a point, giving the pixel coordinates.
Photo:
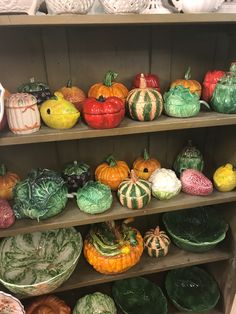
(38, 263)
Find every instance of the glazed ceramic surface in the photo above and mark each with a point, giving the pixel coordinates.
(10, 305)
(37, 263)
(195, 229)
(2, 90)
(20, 6)
(156, 7)
(192, 289)
(68, 6)
(138, 296)
(197, 6)
(124, 6)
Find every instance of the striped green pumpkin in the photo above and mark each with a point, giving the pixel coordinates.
(156, 242)
(144, 104)
(134, 193)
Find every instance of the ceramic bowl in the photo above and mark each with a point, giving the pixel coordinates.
(9, 304)
(138, 296)
(196, 230)
(192, 289)
(37, 263)
(197, 6)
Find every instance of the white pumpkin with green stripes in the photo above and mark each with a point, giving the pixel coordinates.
(96, 303)
(134, 193)
(144, 103)
(156, 242)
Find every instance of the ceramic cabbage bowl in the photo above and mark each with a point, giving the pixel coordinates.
(195, 229)
(37, 263)
(191, 289)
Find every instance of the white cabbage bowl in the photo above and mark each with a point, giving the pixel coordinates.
(38, 263)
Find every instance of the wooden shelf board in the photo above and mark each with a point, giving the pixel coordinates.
(128, 126)
(72, 216)
(110, 19)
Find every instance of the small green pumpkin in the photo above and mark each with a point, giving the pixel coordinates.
(134, 193)
(156, 242)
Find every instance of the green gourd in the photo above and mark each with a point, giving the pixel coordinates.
(189, 158)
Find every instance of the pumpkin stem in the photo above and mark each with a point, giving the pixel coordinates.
(32, 80)
(143, 82)
(111, 161)
(187, 75)
(157, 231)
(69, 83)
(146, 155)
(190, 143)
(109, 78)
(133, 176)
(101, 98)
(233, 67)
(3, 170)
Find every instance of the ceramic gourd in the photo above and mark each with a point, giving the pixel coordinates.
(22, 113)
(156, 242)
(145, 166)
(8, 180)
(48, 305)
(73, 94)
(225, 178)
(197, 6)
(210, 80)
(195, 182)
(7, 217)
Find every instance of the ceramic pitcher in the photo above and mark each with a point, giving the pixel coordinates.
(2, 91)
(196, 6)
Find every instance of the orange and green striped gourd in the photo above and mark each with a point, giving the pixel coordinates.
(134, 192)
(156, 242)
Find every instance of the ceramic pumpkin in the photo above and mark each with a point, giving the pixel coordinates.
(152, 81)
(111, 248)
(145, 166)
(225, 178)
(134, 193)
(193, 85)
(210, 80)
(7, 216)
(8, 180)
(48, 305)
(108, 88)
(156, 242)
(144, 103)
(73, 94)
(112, 172)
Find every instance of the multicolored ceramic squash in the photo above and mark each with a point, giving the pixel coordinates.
(189, 158)
(76, 174)
(58, 113)
(7, 182)
(39, 90)
(144, 103)
(134, 193)
(73, 94)
(165, 184)
(94, 198)
(224, 95)
(95, 303)
(210, 80)
(225, 178)
(48, 305)
(145, 166)
(41, 195)
(22, 113)
(152, 81)
(193, 85)
(195, 182)
(156, 242)
(112, 172)
(111, 248)
(7, 216)
(109, 88)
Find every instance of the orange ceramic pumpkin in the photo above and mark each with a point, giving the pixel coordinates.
(7, 182)
(48, 305)
(112, 172)
(145, 166)
(193, 85)
(113, 256)
(73, 94)
(108, 88)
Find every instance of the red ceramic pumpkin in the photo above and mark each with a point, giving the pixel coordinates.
(210, 80)
(152, 81)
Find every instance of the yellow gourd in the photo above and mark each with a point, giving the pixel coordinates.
(225, 178)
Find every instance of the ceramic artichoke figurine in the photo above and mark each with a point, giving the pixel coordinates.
(179, 102)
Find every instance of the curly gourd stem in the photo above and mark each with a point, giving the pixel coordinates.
(69, 83)
(111, 161)
(3, 170)
(146, 155)
(109, 78)
(187, 75)
(157, 231)
(133, 176)
(143, 82)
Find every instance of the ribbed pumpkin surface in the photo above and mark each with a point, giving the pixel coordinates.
(156, 243)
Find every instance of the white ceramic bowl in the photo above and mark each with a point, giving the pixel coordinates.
(197, 6)
(20, 6)
(69, 6)
(9, 304)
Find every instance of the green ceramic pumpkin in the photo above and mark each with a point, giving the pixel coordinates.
(96, 303)
(94, 198)
(189, 158)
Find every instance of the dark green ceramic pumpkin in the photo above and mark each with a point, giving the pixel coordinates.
(189, 158)
(76, 175)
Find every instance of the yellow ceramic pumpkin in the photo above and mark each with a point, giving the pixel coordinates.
(225, 178)
(58, 113)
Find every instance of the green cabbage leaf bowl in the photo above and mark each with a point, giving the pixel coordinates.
(192, 289)
(138, 296)
(196, 229)
(39, 262)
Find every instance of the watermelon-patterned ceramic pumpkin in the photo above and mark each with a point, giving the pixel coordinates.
(144, 103)
(156, 242)
(96, 303)
(134, 193)
(145, 166)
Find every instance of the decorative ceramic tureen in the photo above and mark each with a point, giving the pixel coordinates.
(197, 6)
(20, 6)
